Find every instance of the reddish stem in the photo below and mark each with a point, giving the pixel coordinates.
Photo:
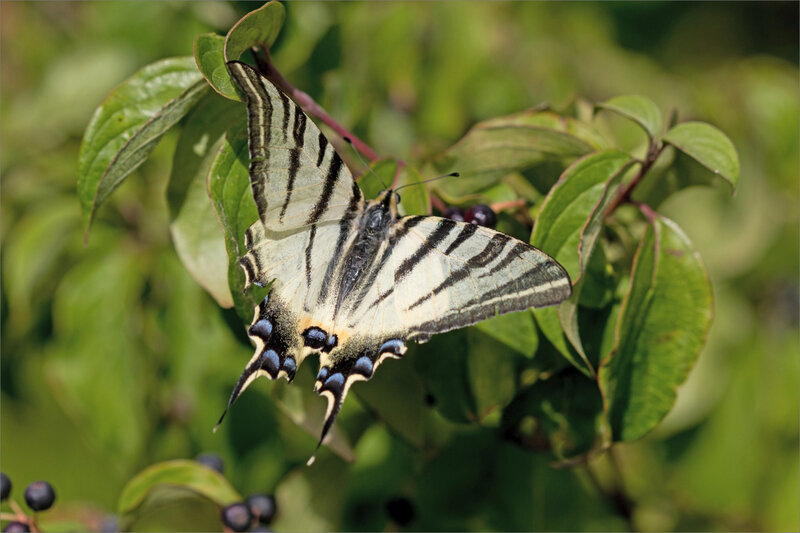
(438, 204)
(510, 204)
(624, 194)
(308, 104)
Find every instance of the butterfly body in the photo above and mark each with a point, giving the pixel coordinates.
(351, 279)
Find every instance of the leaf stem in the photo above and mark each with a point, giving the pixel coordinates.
(306, 102)
(624, 194)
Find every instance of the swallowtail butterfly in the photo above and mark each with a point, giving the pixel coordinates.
(352, 279)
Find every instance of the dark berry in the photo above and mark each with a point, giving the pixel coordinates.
(400, 511)
(237, 517)
(16, 527)
(5, 487)
(262, 506)
(212, 461)
(482, 215)
(40, 495)
(454, 213)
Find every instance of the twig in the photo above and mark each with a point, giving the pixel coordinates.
(510, 204)
(307, 103)
(624, 195)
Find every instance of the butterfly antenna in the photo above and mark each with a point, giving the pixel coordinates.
(451, 175)
(361, 160)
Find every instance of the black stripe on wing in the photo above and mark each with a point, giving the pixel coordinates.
(298, 135)
(331, 178)
(442, 231)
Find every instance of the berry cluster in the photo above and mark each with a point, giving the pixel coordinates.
(479, 214)
(39, 496)
(254, 514)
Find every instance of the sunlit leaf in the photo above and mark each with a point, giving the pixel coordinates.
(129, 123)
(209, 53)
(180, 473)
(567, 227)
(260, 27)
(709, 147)
(661, 330)
(195, 230)
(229, 186)
(640, 109)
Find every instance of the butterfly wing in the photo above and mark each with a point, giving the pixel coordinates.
(297, 177)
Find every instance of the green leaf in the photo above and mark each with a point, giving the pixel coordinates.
(566, 410)
(515, 330)
(415, 199)
(443, 369)
(382, 173)
(492, 374)
(493, 148)
(209, 54)
(260, 27)
(229, 186)
(129, 123)
(196, 232)
(661, 329)
(709, 147)
(180, 473)
(567, 228)
(639, 109)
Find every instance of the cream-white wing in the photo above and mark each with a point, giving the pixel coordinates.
(436, 275)
(297, 177)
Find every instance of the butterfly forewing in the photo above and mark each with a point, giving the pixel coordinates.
(297, 177)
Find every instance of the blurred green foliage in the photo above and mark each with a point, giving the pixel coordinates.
(114, 358)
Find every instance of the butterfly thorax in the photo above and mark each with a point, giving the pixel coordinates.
(373, 230)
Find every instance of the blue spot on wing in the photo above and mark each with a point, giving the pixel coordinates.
(270, 362)
(363, 366)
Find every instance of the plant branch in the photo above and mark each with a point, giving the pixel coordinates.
(307, 103)
(624, 194)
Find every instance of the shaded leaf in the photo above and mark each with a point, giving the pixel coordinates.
(709, 147)
(443, 369)
(492, 374)
(196, 232)
(396, 396)
(128, 124)
(662, 328)
(260, 27)
(640, 109)
(565, 411)
(567, 228)
(498, 146)
(209, 54)
(180, 473)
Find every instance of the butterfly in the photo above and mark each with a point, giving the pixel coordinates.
(351, 279)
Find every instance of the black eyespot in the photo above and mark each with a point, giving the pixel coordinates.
(315, 338)
(397, 197)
